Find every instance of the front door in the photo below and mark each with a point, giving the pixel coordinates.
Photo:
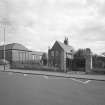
(68, 64)
(78, 64)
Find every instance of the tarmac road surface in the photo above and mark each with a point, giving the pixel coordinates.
(27, 89)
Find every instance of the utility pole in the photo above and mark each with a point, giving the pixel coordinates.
(4, 22)
(4, 48)
(91, 62)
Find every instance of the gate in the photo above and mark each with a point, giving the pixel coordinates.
(68, 64)
(78, 64)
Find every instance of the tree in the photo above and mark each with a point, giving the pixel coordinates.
(82, 52)
(103, 53)
(44, 59)
(79, 53)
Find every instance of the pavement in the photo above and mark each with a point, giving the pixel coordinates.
(21, 87)
(58, 74)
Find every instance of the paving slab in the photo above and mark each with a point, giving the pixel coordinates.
(58, 74)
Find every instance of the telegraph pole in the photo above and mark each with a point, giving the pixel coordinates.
(4, 22)
(4, 48)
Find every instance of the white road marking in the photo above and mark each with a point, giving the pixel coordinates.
(81, 81)
(25, 74)
(46, 77)
(87, 81)
(77, 80)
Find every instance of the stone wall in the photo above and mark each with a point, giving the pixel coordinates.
(88, 65)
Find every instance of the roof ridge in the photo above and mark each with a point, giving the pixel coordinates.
(11, 43)
(63, 43)
(11, 46)
(66, 48)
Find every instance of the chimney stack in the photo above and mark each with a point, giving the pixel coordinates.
(66, 41)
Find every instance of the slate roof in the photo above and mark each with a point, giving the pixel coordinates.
(66, 48)
(17, 46)
(14, 46)
(37, 53)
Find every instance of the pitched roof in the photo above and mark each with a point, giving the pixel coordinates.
(37, 53)
(16, 46)
(66, 48)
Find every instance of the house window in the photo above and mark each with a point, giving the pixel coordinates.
(40, 57)
(52, 53)
(33, 57)
(71, 50)
(27, 57)
(22, 57)
(56, 53)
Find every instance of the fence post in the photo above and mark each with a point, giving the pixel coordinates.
(88, 66)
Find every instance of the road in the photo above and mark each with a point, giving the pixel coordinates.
(27, 89)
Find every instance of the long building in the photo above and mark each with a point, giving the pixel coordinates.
(16, 53)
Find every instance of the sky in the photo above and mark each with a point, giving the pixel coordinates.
(37, 24)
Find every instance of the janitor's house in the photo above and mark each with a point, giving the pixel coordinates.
(61, 55)
(18, 55)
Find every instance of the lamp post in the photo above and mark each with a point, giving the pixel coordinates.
(4, 49)
(4, 22)
(91, 62)
(4, 55)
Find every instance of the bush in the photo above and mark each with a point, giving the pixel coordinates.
(3, 61)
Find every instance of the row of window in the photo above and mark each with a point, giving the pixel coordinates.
(27, 56)
(56, 53)
(36, 57)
